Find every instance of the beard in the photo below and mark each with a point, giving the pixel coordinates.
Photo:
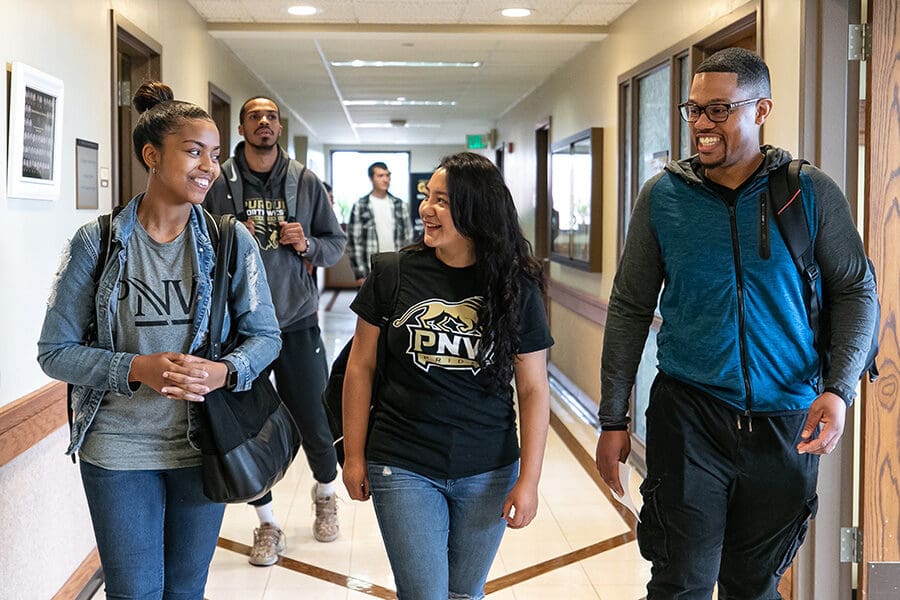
(263, 147)
(715, 160)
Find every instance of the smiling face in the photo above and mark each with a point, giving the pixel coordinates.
(440, 231)
(261, 124)
(735, 141)
(187, 162)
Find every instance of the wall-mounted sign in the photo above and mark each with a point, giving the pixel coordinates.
(476, 142)
(87, 190)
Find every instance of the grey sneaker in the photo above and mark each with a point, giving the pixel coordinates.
(268, 543)
(325, 527)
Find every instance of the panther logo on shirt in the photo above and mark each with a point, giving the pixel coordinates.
(443, 334)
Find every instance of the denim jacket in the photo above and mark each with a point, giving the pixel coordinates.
(97, 369)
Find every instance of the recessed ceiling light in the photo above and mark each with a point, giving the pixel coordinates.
(516, 12)
(402, 63)
(399, 102)
(302, 10)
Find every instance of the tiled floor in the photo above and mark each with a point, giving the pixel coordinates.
(579, 547)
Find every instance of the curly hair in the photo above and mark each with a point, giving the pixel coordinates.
(483, 211)
(160, 114)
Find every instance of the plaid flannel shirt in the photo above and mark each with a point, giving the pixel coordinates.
(362, 240)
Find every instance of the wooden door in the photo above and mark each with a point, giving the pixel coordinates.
(879, 571)
(136, 59)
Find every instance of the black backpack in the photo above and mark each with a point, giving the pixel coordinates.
(784, 189)
(333, 396)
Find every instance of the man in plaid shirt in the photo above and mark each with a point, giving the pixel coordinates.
(379, 222)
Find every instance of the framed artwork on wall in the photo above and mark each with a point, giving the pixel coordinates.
(35, 134)
(576, 165)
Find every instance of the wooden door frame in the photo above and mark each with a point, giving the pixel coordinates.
(829, 123)
(215, 93)
(879, 494)
(122, 27)
(542, 203)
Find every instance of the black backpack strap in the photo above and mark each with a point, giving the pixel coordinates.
(225, 250)
(790, 214)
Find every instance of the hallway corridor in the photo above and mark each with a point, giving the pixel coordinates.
(579, 547)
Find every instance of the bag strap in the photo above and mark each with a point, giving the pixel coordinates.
(225, 260)
(293, 183)
(790, 214)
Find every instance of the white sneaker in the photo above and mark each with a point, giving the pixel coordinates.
(325, 527)
(268, 543)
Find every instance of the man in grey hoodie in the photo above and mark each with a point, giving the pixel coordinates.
(287, 209)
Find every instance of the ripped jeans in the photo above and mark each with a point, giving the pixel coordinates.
(441, 535)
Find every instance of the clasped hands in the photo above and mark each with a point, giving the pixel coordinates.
(178, 376)
(291, 234)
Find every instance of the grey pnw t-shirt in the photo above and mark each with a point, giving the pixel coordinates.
(156, 306)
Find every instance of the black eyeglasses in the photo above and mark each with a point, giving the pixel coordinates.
(717, 112)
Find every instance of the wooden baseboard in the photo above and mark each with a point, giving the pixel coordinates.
(31, 418)
(85, 572)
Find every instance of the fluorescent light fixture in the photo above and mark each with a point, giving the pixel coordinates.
(399, 102)
(403, 63)
(516, 12)
(303, 11)
(391, 126)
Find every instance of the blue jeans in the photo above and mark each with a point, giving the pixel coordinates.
(441, 535)
(156, 531)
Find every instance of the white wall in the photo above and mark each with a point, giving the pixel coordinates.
(42, 512)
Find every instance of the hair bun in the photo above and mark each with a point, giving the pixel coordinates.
(150, 94)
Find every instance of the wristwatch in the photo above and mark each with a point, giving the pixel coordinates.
(231, 378)
(306, 250)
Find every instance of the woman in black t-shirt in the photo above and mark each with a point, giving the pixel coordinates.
(442, 459)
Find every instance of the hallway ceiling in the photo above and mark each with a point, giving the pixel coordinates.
(293, 55)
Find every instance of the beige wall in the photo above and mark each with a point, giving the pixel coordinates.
(584, 94)
(42, 508)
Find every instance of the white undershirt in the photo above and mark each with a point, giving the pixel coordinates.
(383, 211)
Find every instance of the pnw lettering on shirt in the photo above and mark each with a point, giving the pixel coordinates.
(443, 334)
(167, 305)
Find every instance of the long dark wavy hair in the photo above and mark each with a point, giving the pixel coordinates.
(483, 211)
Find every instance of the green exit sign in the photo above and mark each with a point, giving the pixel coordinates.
(476, 142)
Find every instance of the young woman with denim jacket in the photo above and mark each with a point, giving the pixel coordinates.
(137, 387)
(442, 460)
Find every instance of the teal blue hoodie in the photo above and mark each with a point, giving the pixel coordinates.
(734, 317)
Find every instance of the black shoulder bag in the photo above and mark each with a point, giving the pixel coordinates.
(333, 396)
(248, 439)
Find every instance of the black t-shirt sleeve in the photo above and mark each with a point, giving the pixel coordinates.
(365, 304)
(534, 331)
(377, 294)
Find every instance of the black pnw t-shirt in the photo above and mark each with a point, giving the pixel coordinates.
(436, 414)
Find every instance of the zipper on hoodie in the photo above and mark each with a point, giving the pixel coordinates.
(764, 248)
(739, 280)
